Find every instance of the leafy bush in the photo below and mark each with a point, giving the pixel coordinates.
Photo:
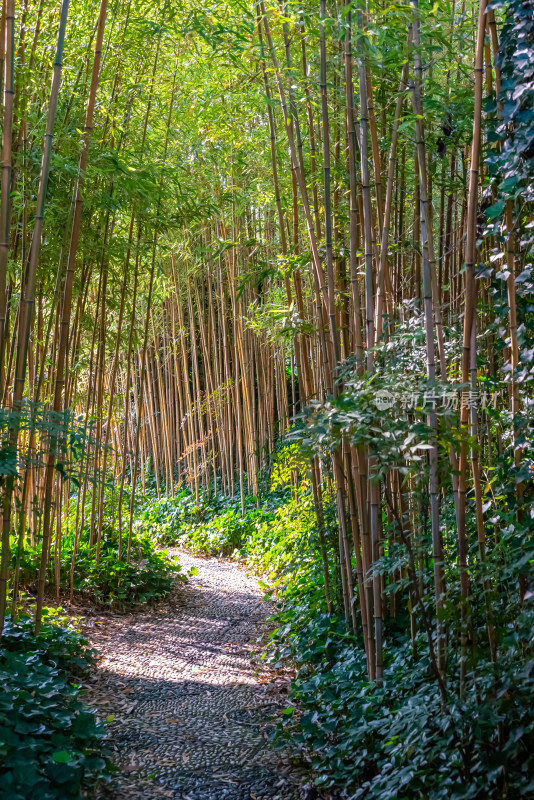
(403, 740)
(213, 526)
(406, 739)
(58, 644)
(49, 743)
(114, 581)
(122, 584)
(168, 518)
(222, 535)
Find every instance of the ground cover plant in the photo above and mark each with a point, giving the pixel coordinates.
(215, 525)
(121, 584)
(50, 744)
(108, 572)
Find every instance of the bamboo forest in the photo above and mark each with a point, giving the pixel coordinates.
(266, 399)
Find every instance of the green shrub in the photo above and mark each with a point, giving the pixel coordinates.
(58, 644)
(223, 534)
(166, 519)
(213, 526)
(120, 584)
(403, 740)
(49, 743)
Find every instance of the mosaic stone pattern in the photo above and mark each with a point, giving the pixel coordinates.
(192, 706)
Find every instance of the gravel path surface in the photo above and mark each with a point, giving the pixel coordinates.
(192, 706)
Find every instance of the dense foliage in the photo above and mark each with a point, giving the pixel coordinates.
(50, 745)
(115, 579)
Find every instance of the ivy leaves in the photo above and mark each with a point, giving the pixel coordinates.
(49, 743)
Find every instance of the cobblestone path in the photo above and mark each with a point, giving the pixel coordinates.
(192, 707)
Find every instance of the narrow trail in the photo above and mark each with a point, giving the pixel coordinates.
(191, 706)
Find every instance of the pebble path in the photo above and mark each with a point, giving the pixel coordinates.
(191, 705)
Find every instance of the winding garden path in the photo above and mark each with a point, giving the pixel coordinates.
(191, 704)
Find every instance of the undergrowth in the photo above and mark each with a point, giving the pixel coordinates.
(50, 745)
(120, 578)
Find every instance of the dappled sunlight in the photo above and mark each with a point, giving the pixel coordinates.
(189, 702)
